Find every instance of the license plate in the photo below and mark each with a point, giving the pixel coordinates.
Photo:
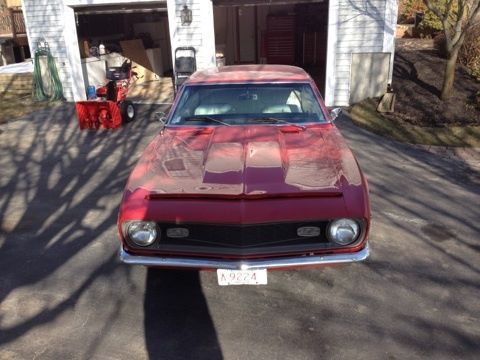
(242, 277)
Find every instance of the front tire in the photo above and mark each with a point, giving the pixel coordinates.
(128, 111)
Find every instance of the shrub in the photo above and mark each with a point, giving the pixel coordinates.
(407, 10)
(440, 44)
(431, 24)
(469, 54)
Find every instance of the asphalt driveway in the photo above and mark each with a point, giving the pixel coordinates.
(64, 295)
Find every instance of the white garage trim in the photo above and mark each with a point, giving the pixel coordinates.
(200, 34)
(71, 40)
(106, 2)
(73, 54)
(330, 71)
(353, 26)
(391, 13)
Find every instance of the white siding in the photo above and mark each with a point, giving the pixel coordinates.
(360, 29)
(44, 21)
(355, 26)
(199, 34)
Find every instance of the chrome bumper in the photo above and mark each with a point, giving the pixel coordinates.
(205, 263)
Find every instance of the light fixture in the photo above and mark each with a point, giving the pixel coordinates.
(186, 16)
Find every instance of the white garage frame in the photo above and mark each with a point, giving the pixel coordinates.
(354, 26)
(71, 39)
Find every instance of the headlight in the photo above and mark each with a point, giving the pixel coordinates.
(343, 231)
(142, 233)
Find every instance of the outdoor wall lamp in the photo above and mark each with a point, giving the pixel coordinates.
(186, 16)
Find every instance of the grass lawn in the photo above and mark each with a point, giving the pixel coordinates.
(365, 115)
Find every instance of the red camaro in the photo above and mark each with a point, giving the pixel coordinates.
(249, 174)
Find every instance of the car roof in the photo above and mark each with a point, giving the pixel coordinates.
(249, 73)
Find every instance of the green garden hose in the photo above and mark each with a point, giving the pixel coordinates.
(46, 86)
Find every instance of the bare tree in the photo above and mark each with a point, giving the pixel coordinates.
(457, 17)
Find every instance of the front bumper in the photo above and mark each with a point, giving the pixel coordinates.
(278, 263)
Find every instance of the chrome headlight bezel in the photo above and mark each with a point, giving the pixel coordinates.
(338, 228)
(141, 233)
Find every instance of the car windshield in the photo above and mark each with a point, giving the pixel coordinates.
(247, 104)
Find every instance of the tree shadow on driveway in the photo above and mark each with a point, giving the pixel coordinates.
(60, 188)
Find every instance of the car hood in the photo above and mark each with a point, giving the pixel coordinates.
(246, 161)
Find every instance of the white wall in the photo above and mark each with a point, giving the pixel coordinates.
(199, 34)
(369, 75)
(44, 20)
(356, 26)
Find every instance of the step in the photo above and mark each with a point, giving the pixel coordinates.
(16, 81)
(15, 85)
(16, 76)
(15, 92)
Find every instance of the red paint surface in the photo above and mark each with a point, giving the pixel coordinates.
(98, 114)
(103, 113)
(247, 174)
(276, 177)
(249, 73)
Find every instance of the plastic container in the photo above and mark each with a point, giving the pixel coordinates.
(91, 92)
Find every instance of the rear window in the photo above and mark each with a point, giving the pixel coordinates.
(243, 104)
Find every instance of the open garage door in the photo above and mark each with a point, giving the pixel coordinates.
(140, 32)
(278, 32)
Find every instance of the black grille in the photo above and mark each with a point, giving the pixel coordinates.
(242, 239)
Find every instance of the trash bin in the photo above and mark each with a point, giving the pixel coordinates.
(418, 17)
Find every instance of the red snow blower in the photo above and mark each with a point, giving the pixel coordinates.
(111, 108)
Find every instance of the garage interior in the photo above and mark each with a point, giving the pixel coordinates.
(280, 32)
(109, 34)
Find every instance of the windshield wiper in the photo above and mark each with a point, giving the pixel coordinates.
(207, 118)
(277, 120)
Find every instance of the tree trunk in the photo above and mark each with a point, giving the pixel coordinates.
(449, 76)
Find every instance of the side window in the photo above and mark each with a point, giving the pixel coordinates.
(309, 103)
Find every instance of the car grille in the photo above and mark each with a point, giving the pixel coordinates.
(242, 239)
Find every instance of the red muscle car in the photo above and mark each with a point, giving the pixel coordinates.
(248, 174)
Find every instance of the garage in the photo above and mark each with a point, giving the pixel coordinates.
(337, 42)
(277, 32)
(107, 35)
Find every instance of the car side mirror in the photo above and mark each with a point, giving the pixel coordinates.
(161, 117)
(335, 113)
